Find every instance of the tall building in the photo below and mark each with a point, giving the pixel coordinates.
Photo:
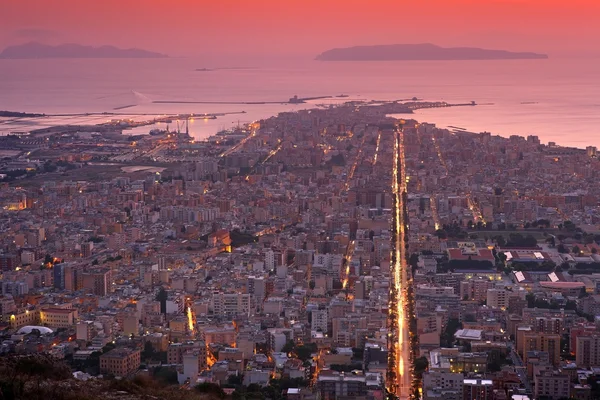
(475, 289)
(580, 329)
(497, 298)
(191, 360)
(131, 324)
(257, 289)
(587, 351)
(59, 275)
(345, 330)
(15, 288)
(8, 262)
(548, 325)
(73, 278)
(86, 249)
(176, 351)
(319, 320)
(478, 389)
(231, 304)
(539, 341)
(84, 330)
(551, 384)
(270, 260)
(98, 282)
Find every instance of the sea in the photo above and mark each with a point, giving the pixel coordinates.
(557, 99)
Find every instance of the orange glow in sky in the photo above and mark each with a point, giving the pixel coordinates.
(196, 27)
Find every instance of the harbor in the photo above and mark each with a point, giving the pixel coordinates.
(140, 123)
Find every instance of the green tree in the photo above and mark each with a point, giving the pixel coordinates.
(421, 364)
(305, 351)
(288, 347)
(148, 352)
(502, 257)
(447, 338)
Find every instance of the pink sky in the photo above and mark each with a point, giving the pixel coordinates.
(303, 27)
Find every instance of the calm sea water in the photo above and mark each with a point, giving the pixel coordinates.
(556, 99)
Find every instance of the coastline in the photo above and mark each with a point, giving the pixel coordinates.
(456, 117)
(566, 108)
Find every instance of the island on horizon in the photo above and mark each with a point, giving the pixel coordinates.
(35, 50)
(421, 52)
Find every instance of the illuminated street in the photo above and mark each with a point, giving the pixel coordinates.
(399, 366)
(377, 148)
(242, 142)
(348, 258)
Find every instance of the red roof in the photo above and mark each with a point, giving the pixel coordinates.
(482, 255)
(562, 285)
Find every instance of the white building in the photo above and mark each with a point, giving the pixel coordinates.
(258, 377)
(319, 320)
(231, 304)
(190, 367)
(257, 289)
(443, 380)
(269, 260)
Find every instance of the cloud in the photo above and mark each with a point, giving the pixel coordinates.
(36, 33)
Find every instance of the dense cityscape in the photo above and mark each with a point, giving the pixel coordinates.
(348, 252)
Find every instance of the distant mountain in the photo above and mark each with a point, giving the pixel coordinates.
(427, 51)
(70, 50)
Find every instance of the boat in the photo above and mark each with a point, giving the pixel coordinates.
(157, 132)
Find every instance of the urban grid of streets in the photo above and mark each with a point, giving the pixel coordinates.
(227, 231)
(400, 361)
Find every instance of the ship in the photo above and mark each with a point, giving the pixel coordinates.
(157, 132)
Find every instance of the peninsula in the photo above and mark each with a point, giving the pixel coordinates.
(70, 50)
(427, 51)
